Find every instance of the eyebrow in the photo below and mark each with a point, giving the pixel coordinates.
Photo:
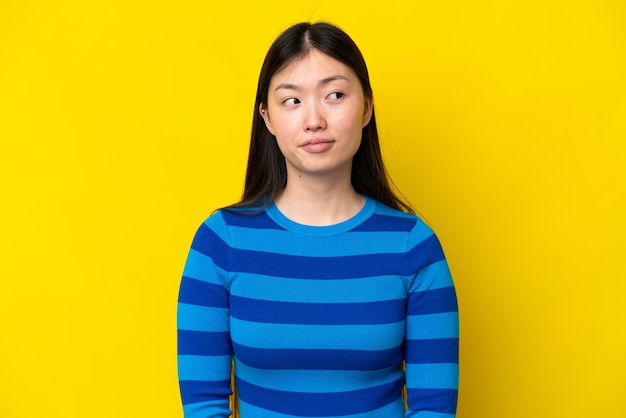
(323, 81)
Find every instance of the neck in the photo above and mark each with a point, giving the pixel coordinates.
(319, 203)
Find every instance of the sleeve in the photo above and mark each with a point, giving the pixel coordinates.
(204, 345)
(432, 333)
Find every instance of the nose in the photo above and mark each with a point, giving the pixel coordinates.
(314, 118)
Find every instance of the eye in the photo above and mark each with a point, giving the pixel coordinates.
(291, 101)
(336, 95)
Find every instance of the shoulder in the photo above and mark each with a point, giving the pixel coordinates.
(220, 230)
(396, 219)
(224, 221)
(389, 219)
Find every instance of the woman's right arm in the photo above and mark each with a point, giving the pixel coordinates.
(204, 347)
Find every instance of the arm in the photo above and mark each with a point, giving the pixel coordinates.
(204, 348)
(432, 334)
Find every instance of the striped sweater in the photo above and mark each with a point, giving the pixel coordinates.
(318, 320)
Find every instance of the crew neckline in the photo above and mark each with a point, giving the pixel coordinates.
(365, 212)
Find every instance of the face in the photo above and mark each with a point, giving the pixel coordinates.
(316, 110)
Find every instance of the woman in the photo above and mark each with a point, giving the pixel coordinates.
(323, 294)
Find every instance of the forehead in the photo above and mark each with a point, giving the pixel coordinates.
(312, 67)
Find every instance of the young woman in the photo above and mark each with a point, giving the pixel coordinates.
(320, 288)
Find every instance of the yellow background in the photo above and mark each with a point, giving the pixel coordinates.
(123, 124)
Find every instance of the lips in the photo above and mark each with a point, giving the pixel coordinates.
(317, 144)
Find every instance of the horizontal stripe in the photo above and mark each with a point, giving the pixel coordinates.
(247, 410)
(249, 219)
(201, 318)
(319, 404)
(393, 410)
(219, 409)
(365, 289)
(288, 243)
(434, 400)
(311, 359)
(359, 337)
(433, 276)
(442, 350)
(203, 343)
(370, 313)
(432, 301)
(201, 267)
(204, 367)
(207, 242)
(312, 380)
(441, 325)
(433, 376)
(386, 223)
(193, 391)
(197, 292)
(427, 414)
(425, 253)
(348, 267)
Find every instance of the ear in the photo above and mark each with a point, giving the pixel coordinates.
(266, 117)
(368, 111)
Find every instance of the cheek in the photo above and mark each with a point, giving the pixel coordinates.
(352, 119)
(283, 126)
(284, 134)
(352, 123)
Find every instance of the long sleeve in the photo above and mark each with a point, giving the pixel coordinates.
(204, 345)
(432, 332)
(317, 320)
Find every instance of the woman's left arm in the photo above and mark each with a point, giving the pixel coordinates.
(432, 333)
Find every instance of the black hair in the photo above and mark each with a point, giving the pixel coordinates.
(266, 174)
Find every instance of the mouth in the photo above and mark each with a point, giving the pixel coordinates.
(315, 141)
(317, 145)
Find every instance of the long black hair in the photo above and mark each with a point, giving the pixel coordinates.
(266, 174)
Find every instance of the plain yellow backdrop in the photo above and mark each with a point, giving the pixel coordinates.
(123, 124)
